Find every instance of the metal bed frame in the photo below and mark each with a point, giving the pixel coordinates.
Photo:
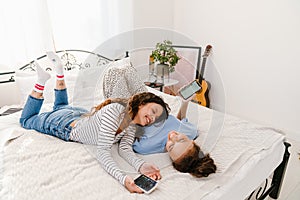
(69, 59)
(11, 79)
(274, 190)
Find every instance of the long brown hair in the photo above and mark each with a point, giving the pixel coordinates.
(143, 98)
(109, 101)
(132, 106)
(196, 163)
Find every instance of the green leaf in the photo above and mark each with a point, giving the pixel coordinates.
(164, 53)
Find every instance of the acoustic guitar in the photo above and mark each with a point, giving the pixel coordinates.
(201, 97)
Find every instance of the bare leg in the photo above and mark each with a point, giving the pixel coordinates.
(37, 95)
(60, 84)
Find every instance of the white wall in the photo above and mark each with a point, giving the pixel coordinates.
(154, 13)
(256, 48)
(255, 61)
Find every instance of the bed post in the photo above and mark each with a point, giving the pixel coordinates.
(279, 173)
(277, 178)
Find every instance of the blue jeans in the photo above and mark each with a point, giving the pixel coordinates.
(56, 122)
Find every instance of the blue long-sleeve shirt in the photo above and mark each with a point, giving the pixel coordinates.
(155, 137)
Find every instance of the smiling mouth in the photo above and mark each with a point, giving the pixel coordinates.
(148, 120)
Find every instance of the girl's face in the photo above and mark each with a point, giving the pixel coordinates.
(148, 113)
(178, 144)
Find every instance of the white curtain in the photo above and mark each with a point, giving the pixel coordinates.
(24, 31)
(30, 28)
(86, 24)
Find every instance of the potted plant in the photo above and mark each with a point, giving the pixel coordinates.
(165, 55)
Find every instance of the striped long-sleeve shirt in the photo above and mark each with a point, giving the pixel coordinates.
(100, 129)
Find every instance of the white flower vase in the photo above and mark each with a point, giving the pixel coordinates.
(162, 72)
(152, 74)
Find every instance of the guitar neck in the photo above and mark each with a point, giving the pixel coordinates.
(201, 75)
(205, 55)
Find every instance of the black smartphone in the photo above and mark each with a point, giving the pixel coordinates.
(187, 91)
(146, 184)
(10, 111)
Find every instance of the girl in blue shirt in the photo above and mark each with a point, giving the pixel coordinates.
(154, 138)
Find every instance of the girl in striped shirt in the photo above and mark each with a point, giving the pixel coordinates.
(175, 135)
(110, 122)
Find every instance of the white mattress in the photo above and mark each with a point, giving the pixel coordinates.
(36, 166)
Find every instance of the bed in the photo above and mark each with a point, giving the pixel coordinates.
(37, 166)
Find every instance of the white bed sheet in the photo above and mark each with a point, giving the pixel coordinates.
(37, 166)
(248, 170)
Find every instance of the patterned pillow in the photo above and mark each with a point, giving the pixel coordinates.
(121, 80)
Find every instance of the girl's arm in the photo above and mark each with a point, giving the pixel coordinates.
(108, 121)
(183, 108)
(126, 151)
(125, 148)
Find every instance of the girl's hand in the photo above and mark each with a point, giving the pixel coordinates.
(150, 170)
(131, 186)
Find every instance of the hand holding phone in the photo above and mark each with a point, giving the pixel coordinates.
(190, 89)
(145, 183)
(131, 186)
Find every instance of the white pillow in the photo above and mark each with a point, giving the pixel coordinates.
(174, 102)
(88, 90)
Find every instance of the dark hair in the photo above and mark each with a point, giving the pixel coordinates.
(109, 101)
(195, 163)
(132, 106)
(142, 99)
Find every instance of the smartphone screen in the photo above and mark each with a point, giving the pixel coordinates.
(190, 89)
(145, 183)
